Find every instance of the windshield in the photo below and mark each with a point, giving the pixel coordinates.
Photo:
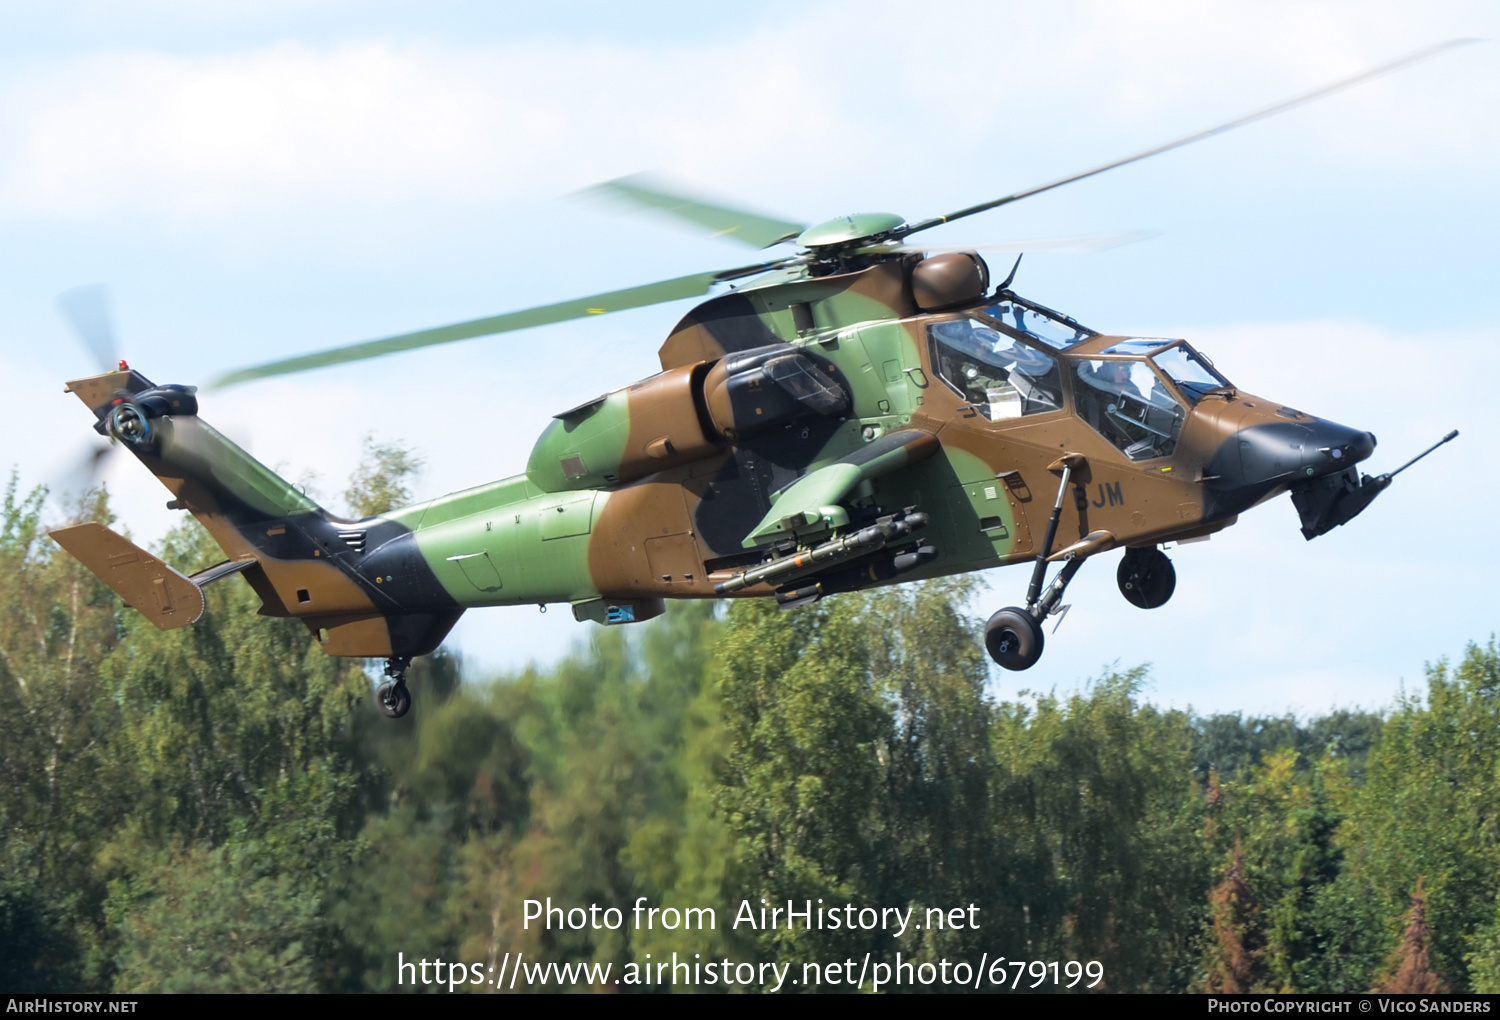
(1051, 328)
(1192, 372)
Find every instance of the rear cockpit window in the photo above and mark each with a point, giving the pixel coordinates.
(1051, 328)
(999, 376)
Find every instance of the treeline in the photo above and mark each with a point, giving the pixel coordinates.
(221, 807)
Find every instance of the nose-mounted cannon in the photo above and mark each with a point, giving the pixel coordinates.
(1337, 497)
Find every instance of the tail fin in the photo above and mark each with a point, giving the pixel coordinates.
(375, 600)
(251, 512)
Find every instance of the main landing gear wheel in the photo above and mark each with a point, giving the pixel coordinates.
(1013, 637)
(392, 696)
(1146, 578)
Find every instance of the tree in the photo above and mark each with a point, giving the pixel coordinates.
(57, 622)
(233, 737)
(231, 919)
(804, 726)
(379, 484)
(1099, 792)
(864, 764)
(1430, 813)
(1410, 969)
(1283, 819)
(1234, 960)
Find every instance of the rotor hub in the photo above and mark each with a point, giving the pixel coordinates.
(842, 230)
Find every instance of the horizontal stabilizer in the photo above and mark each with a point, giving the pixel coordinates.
(162, 595)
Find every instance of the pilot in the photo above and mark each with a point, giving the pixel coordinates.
(1098, 401)
(1115, 376)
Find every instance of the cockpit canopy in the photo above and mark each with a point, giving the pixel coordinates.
(1051, 328)
(1007, 362)
(1193, 373)
(1124, 394)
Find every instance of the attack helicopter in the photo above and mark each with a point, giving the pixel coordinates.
(861, 412)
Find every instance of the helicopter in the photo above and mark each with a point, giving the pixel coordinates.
(861, 412)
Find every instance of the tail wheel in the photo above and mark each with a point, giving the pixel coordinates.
(1013, 638)
(393, 698)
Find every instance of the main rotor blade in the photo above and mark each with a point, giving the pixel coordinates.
(87, 311)
(1082, 244)
(1197, 136)
(750, 228)
(596, 304)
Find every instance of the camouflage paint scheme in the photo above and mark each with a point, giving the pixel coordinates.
(664, 488)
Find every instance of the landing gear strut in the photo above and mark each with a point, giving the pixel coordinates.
(1013, 636)
(392, 696)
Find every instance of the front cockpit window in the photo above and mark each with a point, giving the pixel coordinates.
(1051, 328)
(998, 375)
(1193, 373)
(1127, 403)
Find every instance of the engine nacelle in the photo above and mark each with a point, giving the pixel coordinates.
(766, 387)
(624, 435)
(681, 415)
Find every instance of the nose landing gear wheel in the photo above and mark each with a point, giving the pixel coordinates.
(1013, 638)
(1146, 578)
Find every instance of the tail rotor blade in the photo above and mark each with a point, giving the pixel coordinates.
(87, 311)
(83, 471)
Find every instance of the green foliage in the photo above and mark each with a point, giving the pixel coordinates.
(1430, 813)
(588, 783)
(57, 623)
(38, 952)
(379, 484)
(1105, 786)
(1277, 827)
(1484, 960)
(238, 918)
(234, 738)
(1231, 744)
(804, 724)
(221, 808)
(865, 765)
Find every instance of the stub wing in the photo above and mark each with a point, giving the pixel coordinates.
(812, 500)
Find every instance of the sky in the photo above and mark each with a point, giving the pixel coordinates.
(257, 180)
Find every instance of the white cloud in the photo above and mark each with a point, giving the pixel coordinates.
(394, 127)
